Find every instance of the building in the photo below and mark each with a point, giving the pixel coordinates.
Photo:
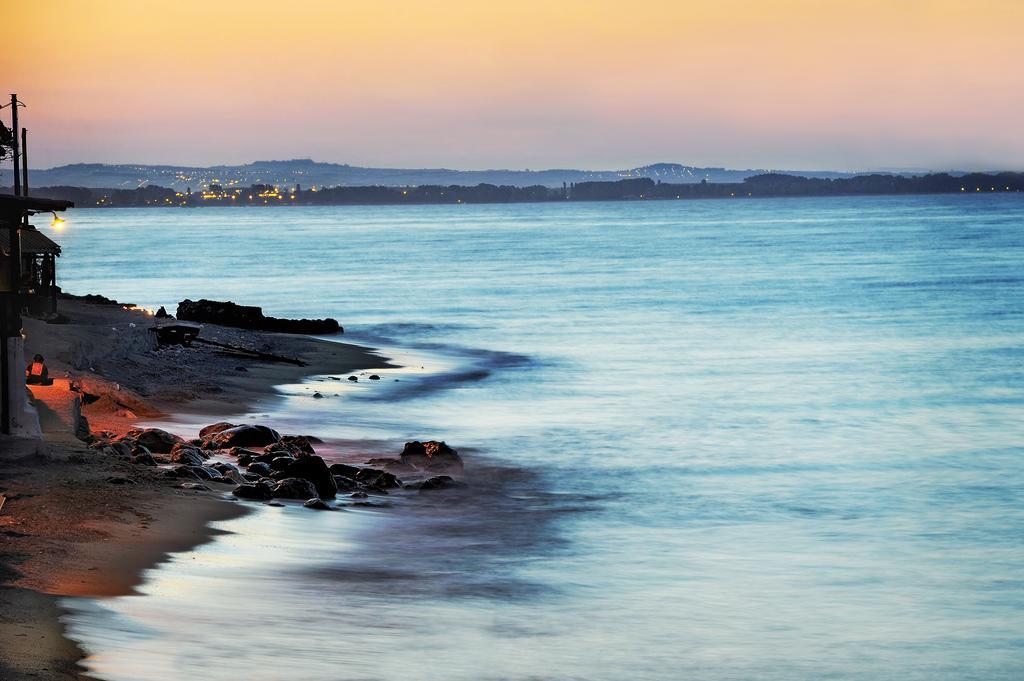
(27, 280)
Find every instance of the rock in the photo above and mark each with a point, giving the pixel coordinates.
(243, 369)
(144, 460)
(256, 492)
(241, 451)
(431, 455)
(318, 504)
(314, 469)
(377, 480)
(439, 482)
(374, 377)
(345, 484)
(122, 450)
(219, 427)
(395, 466)
(245, 436)
(259, 468)
(139, 450)
(119, 480)
(195, 472)
(318, 396)
(294, 488)
(188, 455)
(298, 443)
(193, 485)
(358, 495)
(280, 463)
(250, 317)
(157, 441)
(344, 469)
(353, 378)
(228, 471)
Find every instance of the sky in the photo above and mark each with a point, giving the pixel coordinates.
(787, 84)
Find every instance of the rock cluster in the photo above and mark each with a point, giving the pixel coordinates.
(280, 466)
(250, 317)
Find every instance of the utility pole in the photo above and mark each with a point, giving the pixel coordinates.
(14, 143)
(24, 163)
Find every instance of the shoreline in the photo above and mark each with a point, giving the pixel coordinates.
(66, 528)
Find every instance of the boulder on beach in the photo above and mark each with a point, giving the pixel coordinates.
(253, 491)
(244, 436)
(298, 443)
(187, 454)
(314, 469)
(370, 478)
(213, 429)
(259, 468)
(280, 463)
(227, 313)
(156, 440)
(345, 484)
(431, 455)
(318, 505)
(344, 469)
(439, 482)
(294, 488)
(144, 460)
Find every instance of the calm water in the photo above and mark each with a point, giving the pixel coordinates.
(772, 439)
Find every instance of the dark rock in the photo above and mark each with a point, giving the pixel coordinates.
(440, 482)
(259, 468)
(358, 495)
(243, 369)
(431, 455)
(144, 460)
(314, 469)
(219, 427)
(257, 492)
(374, 377)
(280, 463)
(139, 450)
(300, 443)
(241, 451)
(344, 469)
(188, 455)
(318, 396)
(196, 442)
(156, 440)
(294, 488)
(345, 484)
(119, 449)
(193, 485)
(249, 317)
(245, 436)
(377, 480)
(195, 472)
(353, 378)
(119, 480)
(318, 504)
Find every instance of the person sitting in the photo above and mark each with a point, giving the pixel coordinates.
(37, 373)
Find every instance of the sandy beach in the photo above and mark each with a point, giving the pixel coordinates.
(77, 523)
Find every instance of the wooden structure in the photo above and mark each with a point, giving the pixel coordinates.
(16, 417)
(39, 256)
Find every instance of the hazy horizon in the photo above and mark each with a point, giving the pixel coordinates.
(790, 84)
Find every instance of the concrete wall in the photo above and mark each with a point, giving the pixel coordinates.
(24, 419)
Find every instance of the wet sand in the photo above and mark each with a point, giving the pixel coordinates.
(66, 529)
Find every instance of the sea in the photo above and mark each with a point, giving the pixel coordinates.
(726, 440)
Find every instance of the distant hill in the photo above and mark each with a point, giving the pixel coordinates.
(308, 173)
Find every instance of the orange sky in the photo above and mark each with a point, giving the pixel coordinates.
(786, 83)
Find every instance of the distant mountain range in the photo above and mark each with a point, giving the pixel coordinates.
(309, 173)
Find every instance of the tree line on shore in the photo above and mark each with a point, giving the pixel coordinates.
(761, 186)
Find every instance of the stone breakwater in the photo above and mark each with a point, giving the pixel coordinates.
(270, 466)
(251, 317)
